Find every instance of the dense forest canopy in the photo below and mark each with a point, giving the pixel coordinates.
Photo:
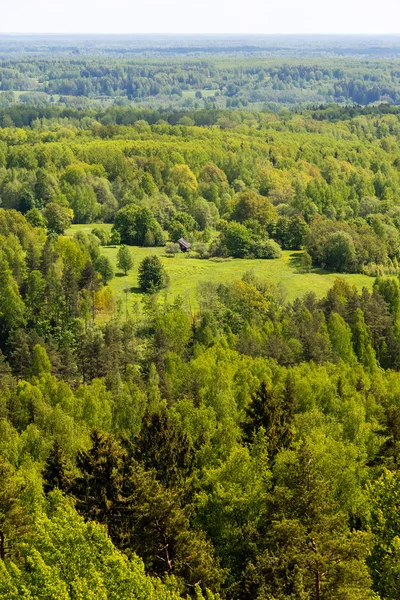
(248, 447)
(199, 72)
(245, 184)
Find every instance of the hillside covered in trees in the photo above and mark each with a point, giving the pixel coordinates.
(246, 185)
(244, 450)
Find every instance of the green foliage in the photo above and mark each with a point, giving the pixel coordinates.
(340, 253)
(249, 205)
(124, 259)
(67, 558)
(162, 446)
(55, 472)
(137, 226)
(362, 341)
(237, 240)
(58, 217)
(384, 559)
(271, 414)
(118, 493)
(245, 438)
(40, 362)
(267, 249)
(104, 266)
(152, 276)
(341, 338)
(102, 235)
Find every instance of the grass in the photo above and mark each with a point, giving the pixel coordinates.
(88, 227)
(192, 93)
(187, 273)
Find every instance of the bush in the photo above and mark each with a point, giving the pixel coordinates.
(201, 249)
(102, 235)
(171, 249)
(266, 249)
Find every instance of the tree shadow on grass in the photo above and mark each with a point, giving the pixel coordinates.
(295, 262)
(135, 290)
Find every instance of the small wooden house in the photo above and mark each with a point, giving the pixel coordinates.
(184, 245)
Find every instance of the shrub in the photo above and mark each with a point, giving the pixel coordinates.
(266, 249)
(102, 235)
(201, 249)
(171, 249)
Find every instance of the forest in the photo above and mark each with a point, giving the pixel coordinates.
(199, 72)
(243, 448)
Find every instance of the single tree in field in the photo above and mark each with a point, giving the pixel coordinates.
(152, 275)
(124, 259)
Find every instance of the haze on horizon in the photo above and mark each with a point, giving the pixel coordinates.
(200, 17)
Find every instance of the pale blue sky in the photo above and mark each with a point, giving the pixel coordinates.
(200, 16)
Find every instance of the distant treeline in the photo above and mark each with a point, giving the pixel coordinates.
(193, 80)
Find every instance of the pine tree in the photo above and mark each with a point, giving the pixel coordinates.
(55, 472)
(273, 414)
(98, 489)
(163, 446)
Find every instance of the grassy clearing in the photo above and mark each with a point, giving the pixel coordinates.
(187, 273)
(192, 93)
(88, 227)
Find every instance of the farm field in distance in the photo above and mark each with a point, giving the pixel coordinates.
(186, 273)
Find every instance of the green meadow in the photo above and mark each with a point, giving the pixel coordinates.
(187, 273)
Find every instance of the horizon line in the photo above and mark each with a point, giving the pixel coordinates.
(59, 33)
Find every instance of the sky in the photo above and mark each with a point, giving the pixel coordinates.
(201, 16)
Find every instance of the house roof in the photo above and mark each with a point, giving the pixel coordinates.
(184, 243)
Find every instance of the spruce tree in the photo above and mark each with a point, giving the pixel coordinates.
(164, 447)
(274, 414)
(55, 473)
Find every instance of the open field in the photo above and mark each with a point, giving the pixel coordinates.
(187, 273)
(192, 93)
